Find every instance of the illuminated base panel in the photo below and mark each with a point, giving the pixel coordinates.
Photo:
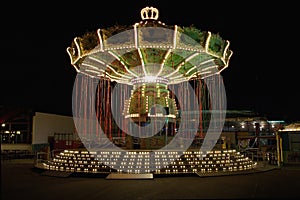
(158, 162)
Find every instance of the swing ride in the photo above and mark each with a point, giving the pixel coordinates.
(149, 98)
(150, 62)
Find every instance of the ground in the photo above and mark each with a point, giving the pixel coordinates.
(20, 180)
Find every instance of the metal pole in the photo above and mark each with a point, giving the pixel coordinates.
(281, 151)
(166, 137)
(278, 149)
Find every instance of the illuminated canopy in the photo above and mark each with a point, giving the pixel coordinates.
(149, 49)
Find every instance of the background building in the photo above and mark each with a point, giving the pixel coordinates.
(289, 144)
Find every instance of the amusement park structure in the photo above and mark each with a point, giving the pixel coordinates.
(166, 77)
(148, 60)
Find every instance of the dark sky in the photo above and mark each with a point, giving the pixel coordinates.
(262, 75)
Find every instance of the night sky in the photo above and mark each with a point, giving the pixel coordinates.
(262, 75)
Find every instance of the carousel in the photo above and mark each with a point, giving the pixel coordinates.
(149, 98)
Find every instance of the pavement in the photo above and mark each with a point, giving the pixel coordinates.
(21, 180)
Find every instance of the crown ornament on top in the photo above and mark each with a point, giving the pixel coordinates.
(149, 13)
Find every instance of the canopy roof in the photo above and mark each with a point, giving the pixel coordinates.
(149, 50)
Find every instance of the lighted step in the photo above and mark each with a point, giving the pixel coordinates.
(129, 176)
